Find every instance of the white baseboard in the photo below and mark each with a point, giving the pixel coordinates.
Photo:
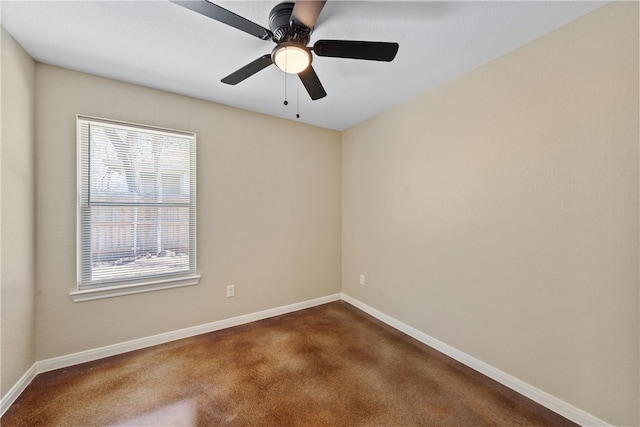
(115, 349)
(543, 398)
(13, 393)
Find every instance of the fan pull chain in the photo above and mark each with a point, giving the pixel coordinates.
(297, 98)
(285, 89)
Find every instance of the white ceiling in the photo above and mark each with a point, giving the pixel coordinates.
(165, 46)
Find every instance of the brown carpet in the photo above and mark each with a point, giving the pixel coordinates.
(330, 365)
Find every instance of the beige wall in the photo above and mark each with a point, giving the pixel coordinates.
(17, 213)
(498, 213)
(268, 213)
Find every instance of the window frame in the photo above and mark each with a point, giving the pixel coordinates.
(106, 289)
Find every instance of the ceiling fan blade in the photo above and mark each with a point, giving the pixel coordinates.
(305, 12)
(373, 51)
(248, 70)
(312, 83)
(225, 16)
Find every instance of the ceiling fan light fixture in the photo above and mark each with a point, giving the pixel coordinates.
(291, 57)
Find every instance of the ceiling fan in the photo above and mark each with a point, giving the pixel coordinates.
(291, 25)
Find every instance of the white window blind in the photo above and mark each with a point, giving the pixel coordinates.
(137, 204)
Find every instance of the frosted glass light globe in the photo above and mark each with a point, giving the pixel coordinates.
(291, 59)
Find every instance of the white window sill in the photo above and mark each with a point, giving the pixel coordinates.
(133, 288)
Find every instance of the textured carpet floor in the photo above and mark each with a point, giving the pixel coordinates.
(330, 365)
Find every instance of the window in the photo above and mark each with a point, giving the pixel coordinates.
(136, 209)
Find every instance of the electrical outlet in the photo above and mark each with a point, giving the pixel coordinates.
(231, 290)
(362, 279)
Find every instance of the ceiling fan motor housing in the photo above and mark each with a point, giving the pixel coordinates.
(283, 28)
